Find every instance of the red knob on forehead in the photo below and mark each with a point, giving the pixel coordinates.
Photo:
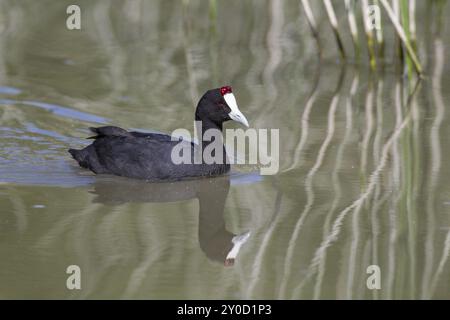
(225, 90)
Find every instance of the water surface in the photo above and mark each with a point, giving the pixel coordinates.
(363, 171)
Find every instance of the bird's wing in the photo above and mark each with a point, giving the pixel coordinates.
(109, 131)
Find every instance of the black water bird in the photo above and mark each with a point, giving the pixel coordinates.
(149, 156)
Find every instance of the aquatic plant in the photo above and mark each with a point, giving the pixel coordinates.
(400, 16)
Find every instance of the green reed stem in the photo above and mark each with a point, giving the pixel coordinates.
(402, 35)
(334, 25)
(412, 24)
(312, 23)
(379, 35)
(350, 8)
(369, 34)
(404, 13)
(213, 12)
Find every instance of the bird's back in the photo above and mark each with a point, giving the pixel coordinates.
(140, 155)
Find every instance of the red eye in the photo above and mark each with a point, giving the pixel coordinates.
(225, 90)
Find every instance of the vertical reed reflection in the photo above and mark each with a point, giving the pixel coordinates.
(337, 186)
(355, 244)
(304, 124)
(309, 184)
(378, 200)
(357, 204)
(274, 35)
(428, 280)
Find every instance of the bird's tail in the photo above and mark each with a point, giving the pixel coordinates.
(80, 156)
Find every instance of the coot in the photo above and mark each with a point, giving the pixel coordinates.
(149, 155)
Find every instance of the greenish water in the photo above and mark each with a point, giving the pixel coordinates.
(363, 169)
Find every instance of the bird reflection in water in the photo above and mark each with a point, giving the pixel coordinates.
(215, 240)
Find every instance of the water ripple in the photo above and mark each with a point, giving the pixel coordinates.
(58, 110)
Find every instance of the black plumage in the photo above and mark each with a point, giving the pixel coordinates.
(148, 155)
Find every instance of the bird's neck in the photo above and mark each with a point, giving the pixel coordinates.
(211, 133)
(203, 126)
(208, 124)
